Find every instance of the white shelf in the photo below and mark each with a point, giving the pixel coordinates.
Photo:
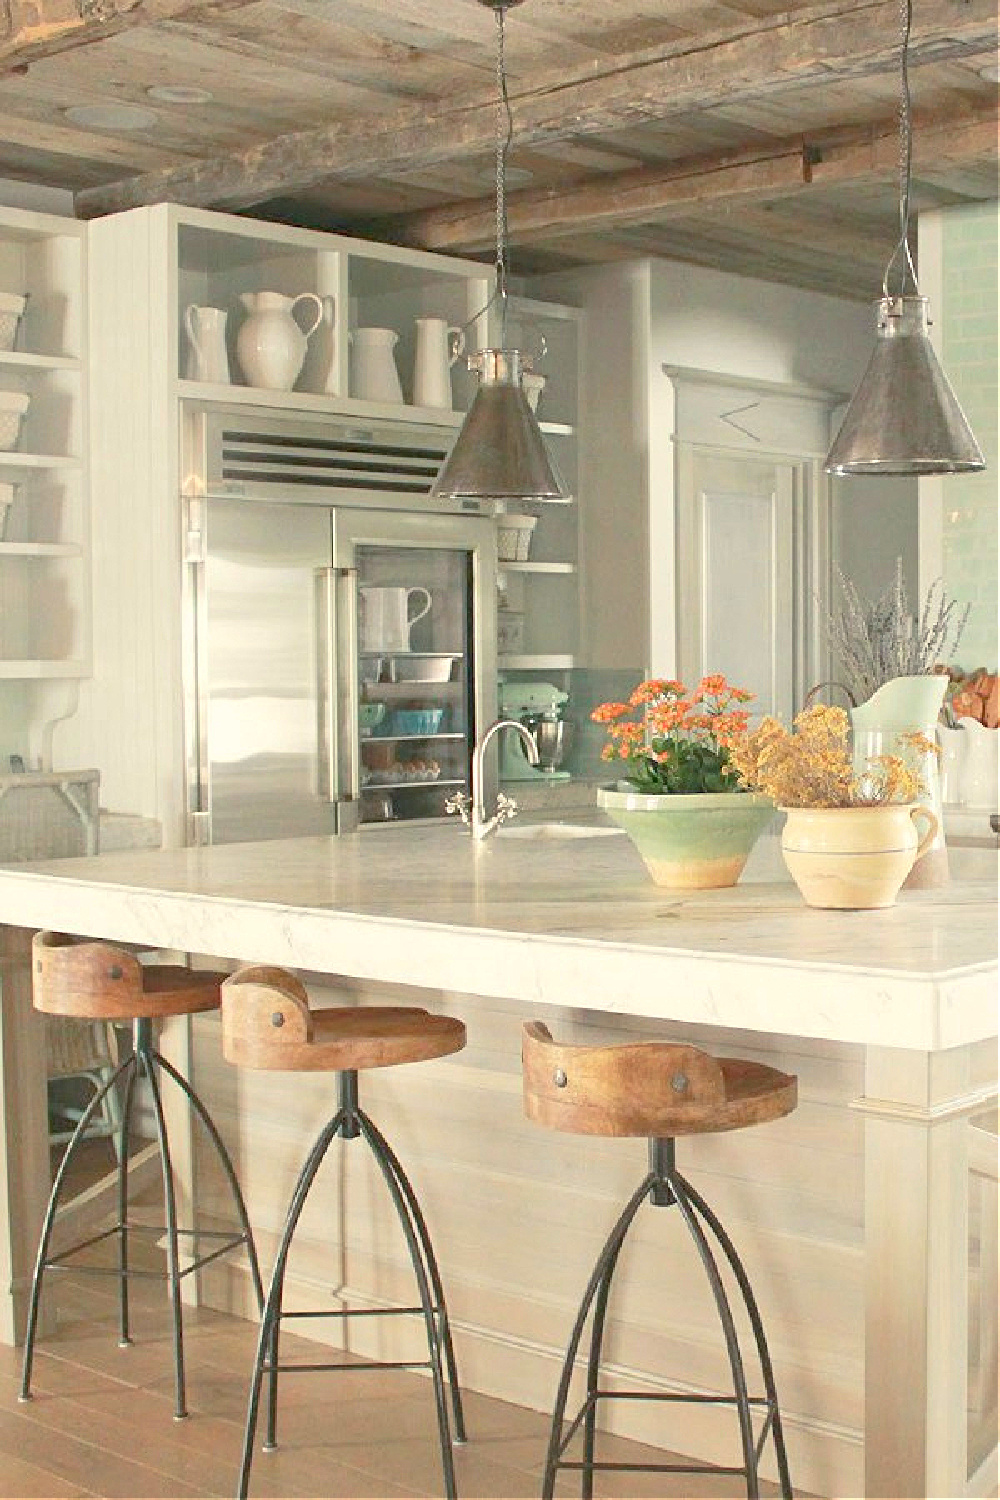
(32, 462)
(308, 401)
(547, 662)
(28, 669)
(558, 429)
(536, 567)
(39, 549)
(21, 360)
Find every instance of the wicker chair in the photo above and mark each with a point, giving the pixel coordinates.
(87, 1050)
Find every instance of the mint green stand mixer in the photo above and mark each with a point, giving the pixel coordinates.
(539, 707)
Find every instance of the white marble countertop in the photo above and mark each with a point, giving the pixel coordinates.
(551, 921)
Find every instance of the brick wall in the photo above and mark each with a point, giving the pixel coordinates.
(969, 354)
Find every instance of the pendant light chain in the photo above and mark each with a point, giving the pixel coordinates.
(504, 135)
(905, 161)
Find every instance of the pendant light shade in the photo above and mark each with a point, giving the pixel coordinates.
(499, 453)
(904, 417)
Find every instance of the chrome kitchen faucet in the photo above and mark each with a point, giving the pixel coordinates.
(471, 809)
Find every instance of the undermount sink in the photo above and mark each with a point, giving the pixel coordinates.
(554, 831)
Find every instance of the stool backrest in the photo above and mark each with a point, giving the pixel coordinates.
(93, 980)
(265, 1012)
(616, 1090)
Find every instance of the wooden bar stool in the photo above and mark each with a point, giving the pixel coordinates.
(657, 1090)
(93, 981)
(267, 1023)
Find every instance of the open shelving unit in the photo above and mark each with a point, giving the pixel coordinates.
(45, 632)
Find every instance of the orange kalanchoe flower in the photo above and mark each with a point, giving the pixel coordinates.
(674, 741)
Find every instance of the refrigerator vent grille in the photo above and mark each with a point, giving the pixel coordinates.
(356, 462)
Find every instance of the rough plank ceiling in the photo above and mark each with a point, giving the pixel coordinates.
(748, 136)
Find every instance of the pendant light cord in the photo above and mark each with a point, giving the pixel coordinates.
(902, 247)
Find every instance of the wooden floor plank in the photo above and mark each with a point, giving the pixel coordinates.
(102, 1421)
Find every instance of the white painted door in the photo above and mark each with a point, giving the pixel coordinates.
(738, 611)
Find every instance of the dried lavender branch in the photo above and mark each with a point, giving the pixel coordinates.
(880, 640)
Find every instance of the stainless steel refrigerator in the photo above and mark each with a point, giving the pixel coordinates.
(340, 627)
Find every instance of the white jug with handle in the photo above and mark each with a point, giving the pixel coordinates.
(374, 376)
(271, 345)
(438, 347)
(207, 356)
(385, 616)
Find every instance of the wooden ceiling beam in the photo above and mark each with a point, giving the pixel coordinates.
(645, 194)
(842, 38)
(32, 29)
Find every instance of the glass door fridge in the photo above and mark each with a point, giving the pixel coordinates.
(424, 686)
(340, 664)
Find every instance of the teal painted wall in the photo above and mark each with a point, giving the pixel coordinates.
(969, 317)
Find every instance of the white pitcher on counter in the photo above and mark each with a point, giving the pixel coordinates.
(271, 345)
(207, 355)
(374, 376)
(438, 347)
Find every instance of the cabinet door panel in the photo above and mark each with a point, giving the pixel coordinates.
(737, 598)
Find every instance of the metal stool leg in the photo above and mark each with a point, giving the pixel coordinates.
(426, 1300)
(606, 1259)
(146, 1058)
(593, 1371)
(227, 1165)
(123, 1309)
(758, 1330)
(41, 1258)
(434, 1274)
(267, 1338)
(679, 1189)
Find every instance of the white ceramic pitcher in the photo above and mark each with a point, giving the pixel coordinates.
(980, 767)
(271, 345)
(386, 617)
(438, 347)
(207, 356)
(374, 376)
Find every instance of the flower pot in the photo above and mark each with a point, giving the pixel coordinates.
(900, 707)
(854, 857)
(695, 841)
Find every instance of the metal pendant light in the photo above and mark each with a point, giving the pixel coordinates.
(499, 453)
(904, 417)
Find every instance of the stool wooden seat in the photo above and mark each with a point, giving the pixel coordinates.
(659, 1090)
(274, 1027)
(646, 1088)
(268, 1023)
(96, 981)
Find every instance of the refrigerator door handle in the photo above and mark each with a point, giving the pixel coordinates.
(337, 693)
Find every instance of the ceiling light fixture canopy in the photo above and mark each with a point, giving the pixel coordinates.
(904, 417)
(499, 453)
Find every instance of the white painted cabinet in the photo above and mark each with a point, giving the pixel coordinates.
(44, 582)
(148, 266)
(752, 518)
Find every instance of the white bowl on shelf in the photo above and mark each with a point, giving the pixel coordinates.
(13, 405)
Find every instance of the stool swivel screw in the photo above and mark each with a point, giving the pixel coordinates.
(679, 1083)
(278, 1019)
(559, 1078)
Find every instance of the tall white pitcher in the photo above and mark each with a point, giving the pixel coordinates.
(270, 345)
(438, 347)
(374, 376)
(207, 356)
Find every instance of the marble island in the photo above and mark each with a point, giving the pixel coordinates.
(889, 1018)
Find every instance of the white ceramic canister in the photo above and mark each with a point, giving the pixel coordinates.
(270, 345)
(207, 356)
(438, 347)
(374, 376)
(981, 765)
(952, 745)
